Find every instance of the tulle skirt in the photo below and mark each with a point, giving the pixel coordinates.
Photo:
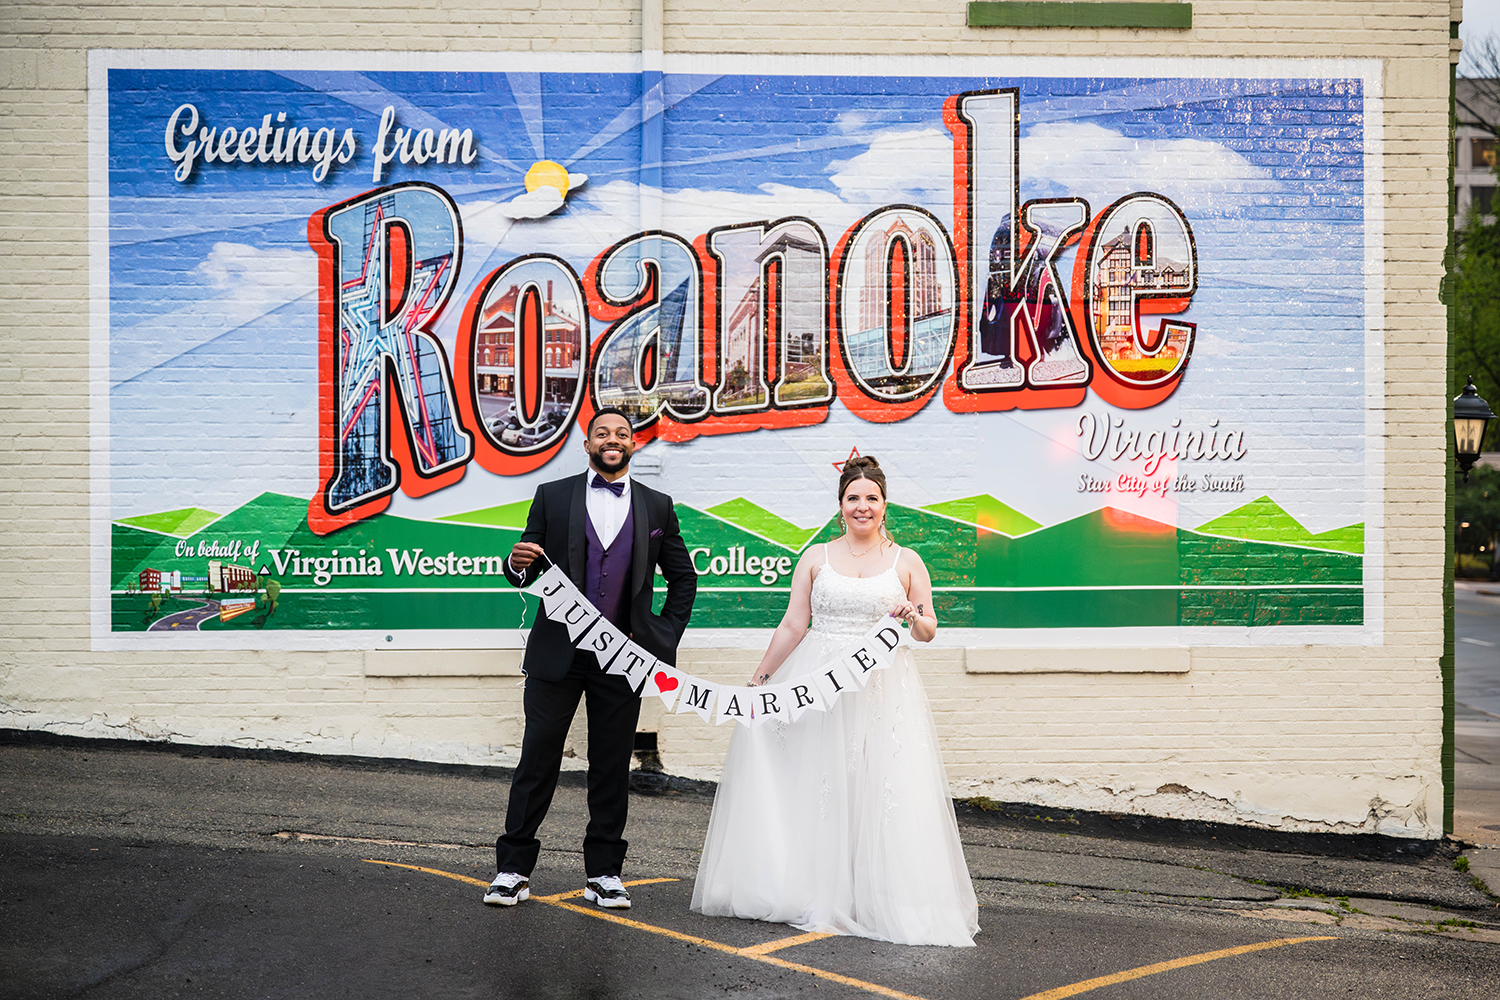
(841, 822)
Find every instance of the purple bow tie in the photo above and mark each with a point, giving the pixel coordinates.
(600, 483)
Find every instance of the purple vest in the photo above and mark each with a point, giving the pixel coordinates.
(606, 577)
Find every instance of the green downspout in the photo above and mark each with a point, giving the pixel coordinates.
(1446, 662)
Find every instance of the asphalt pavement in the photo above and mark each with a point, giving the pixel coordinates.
(155, 871)
(132, 872)
(1476, 725)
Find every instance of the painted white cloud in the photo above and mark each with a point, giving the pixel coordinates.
(852, 121)
(241, 283)
(545, 200)
(534, 204)
(487, 223)
(254, 275)
(1081, 160)
(900, 166)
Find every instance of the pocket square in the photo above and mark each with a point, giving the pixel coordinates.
(657, 532)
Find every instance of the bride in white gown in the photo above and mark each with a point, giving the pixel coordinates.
(842, 821)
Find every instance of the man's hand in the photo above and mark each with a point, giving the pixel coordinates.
(524, 554)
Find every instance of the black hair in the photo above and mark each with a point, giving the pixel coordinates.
(605, 411)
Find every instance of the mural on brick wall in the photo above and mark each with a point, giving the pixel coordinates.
(1107, 335)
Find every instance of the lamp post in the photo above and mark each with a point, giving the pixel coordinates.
(1471, 414)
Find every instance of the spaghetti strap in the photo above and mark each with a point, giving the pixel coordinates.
(825, 555)
(896, 561)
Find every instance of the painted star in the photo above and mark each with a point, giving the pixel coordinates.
(853, 454)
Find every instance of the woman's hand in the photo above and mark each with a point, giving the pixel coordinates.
(909, 612)
(920, 624)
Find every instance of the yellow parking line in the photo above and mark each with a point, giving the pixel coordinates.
(753, 953)
(786, 942)
(742, 952)
(759, 953)
(1176, 963)
(430, 871)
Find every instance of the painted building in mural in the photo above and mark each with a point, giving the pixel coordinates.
(1121, 322)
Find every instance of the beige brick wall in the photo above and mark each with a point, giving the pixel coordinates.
(1314, 738)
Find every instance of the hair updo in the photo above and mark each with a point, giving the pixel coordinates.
(861, 467)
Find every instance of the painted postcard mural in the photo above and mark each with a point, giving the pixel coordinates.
(1107, 335)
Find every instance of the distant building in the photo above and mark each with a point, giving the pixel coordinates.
(1474, 153)
(154, 581)
(870, 350)
(1122, 271)
(795, 357)
(495, 346)
(921, 269)
(223, 577)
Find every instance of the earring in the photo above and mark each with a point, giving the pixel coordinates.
(842, 526)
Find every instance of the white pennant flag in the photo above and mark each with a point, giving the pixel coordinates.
(698, 695)
(734, 705)
(859, 659)
(553, 587)
(633, 663)
(833, 681)
(575, 614)
(884, 639)
(603, 640)
(770, 702)
(803, 694)
(666, 682)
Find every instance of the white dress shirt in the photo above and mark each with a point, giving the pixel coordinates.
(607, 511)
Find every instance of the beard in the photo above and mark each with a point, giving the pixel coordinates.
(612, 463)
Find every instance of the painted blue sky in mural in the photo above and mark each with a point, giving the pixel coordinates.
(213, 285)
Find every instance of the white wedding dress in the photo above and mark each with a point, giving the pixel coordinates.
(842, 821)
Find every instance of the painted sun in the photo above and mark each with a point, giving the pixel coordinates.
(546, 173)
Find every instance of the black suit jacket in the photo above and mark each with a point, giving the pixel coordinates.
(557, 523)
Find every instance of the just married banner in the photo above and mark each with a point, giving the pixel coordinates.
(849, 669)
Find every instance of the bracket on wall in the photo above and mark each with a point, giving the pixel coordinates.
(1079, 14)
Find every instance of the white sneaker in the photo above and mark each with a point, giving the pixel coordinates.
(607, 891)
(508, 889)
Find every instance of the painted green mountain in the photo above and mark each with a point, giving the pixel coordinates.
(1263, 520)
(399, 598)
(181, 523)
(270, 518)
(1112, 548)
(753, 517)
(1107, 568)
(509, 515)
(987, 512)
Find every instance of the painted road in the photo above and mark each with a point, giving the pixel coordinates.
(113, 917)
(186, 621)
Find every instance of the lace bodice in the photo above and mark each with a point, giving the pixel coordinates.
(846, 606)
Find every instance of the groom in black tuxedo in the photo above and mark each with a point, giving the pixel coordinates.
(608, 534)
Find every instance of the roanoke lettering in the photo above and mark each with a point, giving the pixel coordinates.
(750, 326)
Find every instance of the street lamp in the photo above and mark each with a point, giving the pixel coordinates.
(1471, 414)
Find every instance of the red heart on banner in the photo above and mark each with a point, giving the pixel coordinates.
(665, 683)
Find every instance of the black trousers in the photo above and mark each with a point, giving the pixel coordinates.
(613, 709)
